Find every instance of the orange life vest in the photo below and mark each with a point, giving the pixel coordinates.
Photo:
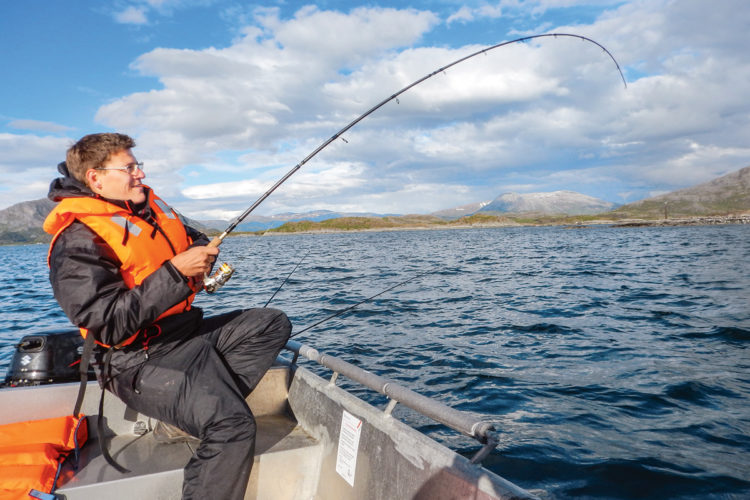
(140, 247)
(31, 454)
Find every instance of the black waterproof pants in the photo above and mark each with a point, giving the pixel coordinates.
(200, 385)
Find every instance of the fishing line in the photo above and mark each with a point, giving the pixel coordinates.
(215, 282)
(347, 309)
(217, 241)
(287, 278)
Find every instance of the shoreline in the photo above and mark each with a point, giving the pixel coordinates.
(687, 221)
(623, 223)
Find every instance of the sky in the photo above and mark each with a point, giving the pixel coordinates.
(224, 97)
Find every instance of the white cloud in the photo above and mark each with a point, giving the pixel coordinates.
(490, 11)
(698, 163)
(27, 165)
(625, 196)
(521, 9)
(139, 10)
(38, 126)
(131, 15)
(412, 198)
(657, 193)
(242, 96)
(515, 116)
(462, 15)
(20, 153)
(518, 188)
(309, 184)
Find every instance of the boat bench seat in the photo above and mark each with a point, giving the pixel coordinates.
(284, 454)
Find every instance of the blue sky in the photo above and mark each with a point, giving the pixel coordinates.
(224, 97)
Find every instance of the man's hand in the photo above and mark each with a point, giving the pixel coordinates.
(195, 262)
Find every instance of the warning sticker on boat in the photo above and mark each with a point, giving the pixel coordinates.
(346, 459)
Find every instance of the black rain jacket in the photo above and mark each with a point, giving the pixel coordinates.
(86, 281)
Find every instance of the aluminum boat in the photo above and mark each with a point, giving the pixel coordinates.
(315, 440)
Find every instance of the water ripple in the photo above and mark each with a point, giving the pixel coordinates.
(612, 361)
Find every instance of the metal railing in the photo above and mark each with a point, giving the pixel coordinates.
(459, 421)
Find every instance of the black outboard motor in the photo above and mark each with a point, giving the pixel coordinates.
(47, 358)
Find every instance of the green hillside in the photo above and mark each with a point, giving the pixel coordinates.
(390, 222)
(726, 195)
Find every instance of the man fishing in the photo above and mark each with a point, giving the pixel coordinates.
(126, 270)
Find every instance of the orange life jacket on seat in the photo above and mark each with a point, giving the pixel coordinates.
(140, 247)
(32, 452)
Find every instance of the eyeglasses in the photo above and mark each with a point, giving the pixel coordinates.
(130, 169)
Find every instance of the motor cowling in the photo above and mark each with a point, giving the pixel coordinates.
(46, 358)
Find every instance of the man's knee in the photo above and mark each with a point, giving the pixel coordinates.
(281, 324)
(277, 323)
(232, 429)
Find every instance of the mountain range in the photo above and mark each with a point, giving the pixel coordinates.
(556, 202)
(22, 222)
(729, 194)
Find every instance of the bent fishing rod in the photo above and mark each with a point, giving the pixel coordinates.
(214, 282)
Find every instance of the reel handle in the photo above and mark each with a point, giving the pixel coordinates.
(222, 275)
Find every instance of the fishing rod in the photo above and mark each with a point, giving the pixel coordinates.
(225, 271)
(347, 309)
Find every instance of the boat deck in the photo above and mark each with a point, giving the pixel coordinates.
(284, 455)
(301, 419)
(156, 468)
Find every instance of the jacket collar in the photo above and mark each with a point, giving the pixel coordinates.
(68, 187)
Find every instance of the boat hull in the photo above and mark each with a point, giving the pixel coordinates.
(301, 419)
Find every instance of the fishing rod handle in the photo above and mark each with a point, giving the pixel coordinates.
(215, 242)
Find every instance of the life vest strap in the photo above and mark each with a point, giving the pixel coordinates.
(88, 350)
(43, 496)
(106, 378)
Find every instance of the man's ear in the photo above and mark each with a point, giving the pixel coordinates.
(92, 179)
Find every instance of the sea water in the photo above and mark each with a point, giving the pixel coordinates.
(615, 362)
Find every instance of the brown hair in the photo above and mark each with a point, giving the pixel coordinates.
(93, 150)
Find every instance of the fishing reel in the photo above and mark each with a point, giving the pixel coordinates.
(220, 277)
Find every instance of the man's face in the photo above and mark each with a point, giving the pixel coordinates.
(119, 184)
